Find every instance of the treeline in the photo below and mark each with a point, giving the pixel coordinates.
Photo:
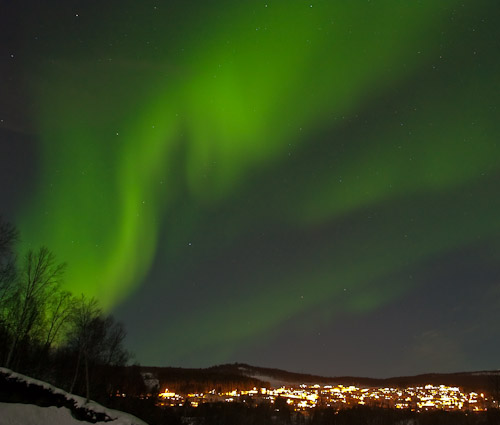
(185, 381)
(51, 334)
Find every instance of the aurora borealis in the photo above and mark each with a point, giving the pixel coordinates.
(288, 184)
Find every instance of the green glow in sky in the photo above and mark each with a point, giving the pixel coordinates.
(161, 126)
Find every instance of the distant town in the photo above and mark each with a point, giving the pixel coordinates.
(303, 397)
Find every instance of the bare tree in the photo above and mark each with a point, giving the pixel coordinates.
(98, 340)
(38, 280)
(61, 306)
(114, 353)
(86, 312)
(8, 237)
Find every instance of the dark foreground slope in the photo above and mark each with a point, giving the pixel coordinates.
(17, 389)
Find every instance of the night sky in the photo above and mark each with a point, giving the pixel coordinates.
(308, 185)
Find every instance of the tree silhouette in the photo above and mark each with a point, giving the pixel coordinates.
(8, 237)
(37, 281)
(83, 318)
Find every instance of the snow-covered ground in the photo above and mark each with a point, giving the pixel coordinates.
(26, 414)
(274, 382)
(29, 414)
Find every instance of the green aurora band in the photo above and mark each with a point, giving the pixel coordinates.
(152, 125)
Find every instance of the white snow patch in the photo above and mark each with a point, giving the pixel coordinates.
(29, 414)
(276, 383)
(273, 382)
(117, 417)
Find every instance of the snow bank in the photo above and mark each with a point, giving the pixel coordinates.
(29, 414)
(58, 416)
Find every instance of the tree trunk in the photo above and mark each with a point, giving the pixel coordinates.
(11, 352)
(76, 372)
(87, 376)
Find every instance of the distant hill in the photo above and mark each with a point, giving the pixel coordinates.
(244, 376)
(184, 380)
